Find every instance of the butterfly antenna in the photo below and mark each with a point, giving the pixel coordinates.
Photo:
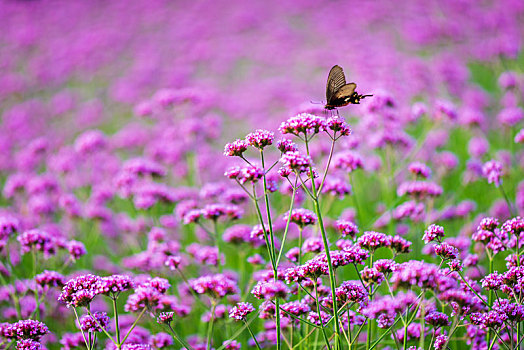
(317, 103)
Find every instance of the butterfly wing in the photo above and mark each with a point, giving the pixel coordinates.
(336, 80)
(345, 91)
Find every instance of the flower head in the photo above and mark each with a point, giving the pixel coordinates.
(346, 228)
(236, 148)
(295, 161)
(492, 170)
(240, 311)
(260, 138)
(302, 217)
(307, 124)
(432, 233)
(26, 329)
(88, 323)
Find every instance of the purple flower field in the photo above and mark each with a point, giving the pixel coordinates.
(173, 175)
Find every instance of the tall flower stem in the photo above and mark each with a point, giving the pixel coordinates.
(118, 345)
(88, 346)
(275, 261)
(490, 297)
(115, 315)
(506, 198)
(211, 324)
(288, 222)
(355, 200)
(369, 325)
(252, 335)
(179, 339)
(217, 242)
(266, 238)
(320, 316)
(134, 325)
(327, 165)
(332, 278)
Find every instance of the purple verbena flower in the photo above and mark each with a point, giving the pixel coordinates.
(432, 233)
(302, 217)
(372, 240)
(338, 125)
(492, 170)
(286, 145)
(437, 319)
(446, 251)
(270, 290)
(50, 279)
(240, 311)
(88, 323)
(295, 161)
(348, 161)
(304, 123)
(79, 291)
(346, 228)
(419, 169)
(216, 286)
(260, 138)
(26, 329)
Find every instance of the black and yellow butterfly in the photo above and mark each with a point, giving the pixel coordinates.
(338, 92)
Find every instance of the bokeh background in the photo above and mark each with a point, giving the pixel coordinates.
(87, 85)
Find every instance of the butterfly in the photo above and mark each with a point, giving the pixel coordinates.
(338, 92)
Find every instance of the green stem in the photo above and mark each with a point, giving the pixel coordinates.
(211, 324)
(275, 262)
(332, 278)
(115, 315)
(453, 327)
(328, 164)
(405, 342)
(195, 295)
(288, 222)
(180, 340)
(320, 316)
(383, 335)
(506, 198)
(12, 292)
(490, 296)
(101, 327)
(474, 291)
(266, 238)
(252, 335)
(422, 322)
(369, 328)
(83, 334)
(217, 241)
(134, 325)
(354, 196)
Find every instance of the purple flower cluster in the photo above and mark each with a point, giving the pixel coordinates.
(95, 322)
(306, 124)
(260, 138)
(240, 311)
(295, 161)
(216, 286)
(371, 240)
(301, 217)
(492, 170)
(346, 228)
(432, 233)
(25, 329)
(270, 290)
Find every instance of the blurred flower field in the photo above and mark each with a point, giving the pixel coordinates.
(171, 179)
